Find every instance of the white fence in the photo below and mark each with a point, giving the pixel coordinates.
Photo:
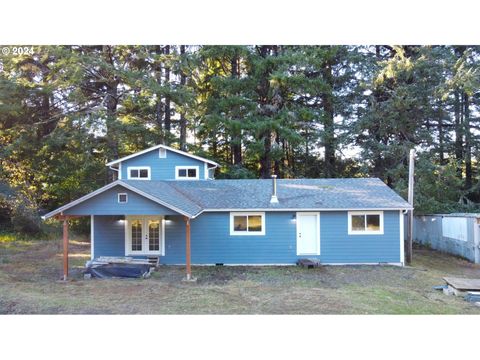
(457, 234)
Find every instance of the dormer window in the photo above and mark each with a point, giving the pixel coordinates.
(186, 173)
(162, 153)
(138, 173)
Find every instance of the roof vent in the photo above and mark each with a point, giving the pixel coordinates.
(274, 199)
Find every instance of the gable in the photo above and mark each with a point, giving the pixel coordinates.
(162, 168)
(106, 203)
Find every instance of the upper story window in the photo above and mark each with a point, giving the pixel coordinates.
(186, 173)
(162, 153)
(365, 222)
(247, 223)
(138, 173)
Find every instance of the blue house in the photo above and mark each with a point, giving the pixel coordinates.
(166, 204)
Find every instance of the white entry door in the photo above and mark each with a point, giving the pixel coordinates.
(308, 233)
(144, 235)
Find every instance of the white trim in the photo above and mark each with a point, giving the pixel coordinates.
(160, 153)
(205, 171)
(364, 263)
(128, 239)
(296, 209)
(317, 214)
(279, 264)
(366, 232)
(157, 147)
(303, 209)
(163, 236)
(126, 197)
(139, 168)
(107, 187)
(402, 239)
(120, 171)
(247, 233)
(294, 264)
(187, 167)
(92, 237)
(126, 227)
(215, 264)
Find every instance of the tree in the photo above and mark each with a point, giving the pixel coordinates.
(296, 111)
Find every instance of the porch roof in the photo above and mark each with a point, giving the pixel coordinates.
(164, 197)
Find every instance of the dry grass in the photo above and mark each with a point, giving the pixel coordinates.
(29, 273)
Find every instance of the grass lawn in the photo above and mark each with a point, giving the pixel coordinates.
(29, 273)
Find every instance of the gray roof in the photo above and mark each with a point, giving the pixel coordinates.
(164, 191)
(196, 196)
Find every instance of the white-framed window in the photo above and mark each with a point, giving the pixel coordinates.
(162, 153)
(365, 222)
(122, 198)
(247, 223)
(138, 173)
(186, 172)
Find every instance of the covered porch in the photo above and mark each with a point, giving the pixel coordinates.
(136, 236)
(128, 222)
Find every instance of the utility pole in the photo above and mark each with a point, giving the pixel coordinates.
(408, 250)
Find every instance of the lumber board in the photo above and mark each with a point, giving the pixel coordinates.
(462, 283)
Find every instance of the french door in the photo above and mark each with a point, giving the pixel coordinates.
(144, 235)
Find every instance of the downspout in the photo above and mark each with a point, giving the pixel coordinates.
(115, 169)
(213, 168)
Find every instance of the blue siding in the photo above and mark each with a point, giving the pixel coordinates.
(212, 243)
(109, 236)
(339, 247)
(106, 203)
(162, 169)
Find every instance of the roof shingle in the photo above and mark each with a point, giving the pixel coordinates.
(329, 194)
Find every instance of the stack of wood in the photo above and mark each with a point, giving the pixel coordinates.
(102, 260)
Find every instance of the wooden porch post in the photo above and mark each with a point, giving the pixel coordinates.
(65, 248)
(187, 248)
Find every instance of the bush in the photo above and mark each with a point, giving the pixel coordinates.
(19, 213)
(25, 220)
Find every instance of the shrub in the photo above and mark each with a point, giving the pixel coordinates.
(25, 220)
